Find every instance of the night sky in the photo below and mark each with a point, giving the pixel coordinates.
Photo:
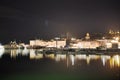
(23, 20)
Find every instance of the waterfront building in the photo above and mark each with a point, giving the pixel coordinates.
(86, 44)
(78, 43)
(52, 43)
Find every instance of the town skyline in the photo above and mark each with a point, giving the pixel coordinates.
(93, 35)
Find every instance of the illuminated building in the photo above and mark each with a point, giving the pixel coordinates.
(82, 44)
(86, 44)
(110, 43)
(52, 43)
(13, 44)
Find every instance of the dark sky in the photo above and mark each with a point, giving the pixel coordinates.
(27, 19)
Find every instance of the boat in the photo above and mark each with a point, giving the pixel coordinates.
(69, 51)
(49, 51)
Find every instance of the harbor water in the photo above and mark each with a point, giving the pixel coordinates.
(17, 64)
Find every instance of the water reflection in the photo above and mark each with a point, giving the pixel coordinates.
(115, 61)
(25, 51)
(51, 56)
(104, 59)
(1, 52)
(60, 57)
(35, 56)
(14, 52)
(69, 59)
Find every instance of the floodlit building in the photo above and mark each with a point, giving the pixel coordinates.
(82, 44)
(86, 44)
(110, 43)
(52, 43)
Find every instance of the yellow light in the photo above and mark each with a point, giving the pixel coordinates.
(88, 60)
(39, 56)
(115, 61)
(14, 53)
(51, 56)
(104, 59)
(60, 57)
(111, 62)
(32, 54)
(114, 41)
(117, 38)
(77, 56)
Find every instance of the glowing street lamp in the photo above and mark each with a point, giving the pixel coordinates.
(118, 32)
(117, 38)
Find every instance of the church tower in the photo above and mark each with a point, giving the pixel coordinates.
(87, 37)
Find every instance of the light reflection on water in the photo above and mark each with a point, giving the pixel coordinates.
(113, 61)
(1, 52)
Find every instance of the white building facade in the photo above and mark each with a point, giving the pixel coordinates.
(82, 44)
(52, 43)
